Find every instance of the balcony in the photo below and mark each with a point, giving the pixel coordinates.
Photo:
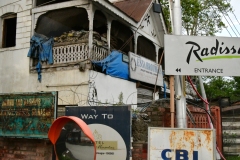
(70, 54)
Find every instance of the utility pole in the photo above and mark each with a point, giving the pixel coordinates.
(181, 112)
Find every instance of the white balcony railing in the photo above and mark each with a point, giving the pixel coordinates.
(72, 54)
(77, 52)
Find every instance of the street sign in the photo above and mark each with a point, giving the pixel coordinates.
(176, 144)
(111, 128)
(27, 114)
(145, 70)
(201, 55)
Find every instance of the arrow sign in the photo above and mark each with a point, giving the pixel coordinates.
(178, 69)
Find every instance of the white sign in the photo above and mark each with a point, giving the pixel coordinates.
(110, 146)
(145, 70)
(195, 55)
(175, 144)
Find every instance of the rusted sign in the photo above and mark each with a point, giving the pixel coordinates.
(27, 115)
(186, 144)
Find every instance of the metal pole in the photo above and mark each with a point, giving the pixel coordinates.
(181, 112)
(205, 98)
(172, 108)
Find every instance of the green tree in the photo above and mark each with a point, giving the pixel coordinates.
(200, 17)
(236, 87)
(217, 87)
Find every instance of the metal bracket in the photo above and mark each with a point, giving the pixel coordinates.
(178, 97)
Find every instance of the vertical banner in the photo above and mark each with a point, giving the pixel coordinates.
(111, 128)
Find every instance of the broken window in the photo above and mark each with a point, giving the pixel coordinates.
(55, 23)
(9, 30)
(67, 26)
(121, 37)
(100, 23)
(100, 29)
(146, 48)
(47, 2)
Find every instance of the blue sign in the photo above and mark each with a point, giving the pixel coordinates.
(111, 127)
(180, 154)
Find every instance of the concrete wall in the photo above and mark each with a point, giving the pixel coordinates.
(109, 88)
(16, 77)
(14, 63)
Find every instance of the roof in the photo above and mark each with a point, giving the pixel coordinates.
(133, 8)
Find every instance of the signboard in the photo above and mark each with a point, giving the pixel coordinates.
(145, 70)
(27, 115)
(175, 144)
(111, 128)
(200, 55)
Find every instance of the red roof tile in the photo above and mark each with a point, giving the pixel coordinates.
(133, 8)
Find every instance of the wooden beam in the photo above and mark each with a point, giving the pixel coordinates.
(229, 108)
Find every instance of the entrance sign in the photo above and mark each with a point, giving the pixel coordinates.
(200, 55)
(144, 70)
(111, 128)
(175, 144)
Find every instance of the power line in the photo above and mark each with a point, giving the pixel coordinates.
(229, 32)
(229, 25)
(236, 17)
(233, 24)
(228, 22)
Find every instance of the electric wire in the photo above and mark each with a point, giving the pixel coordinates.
(236, 18)
(196, 105)
(229, 25)
(209, 117)
(227, 22)
(225, 18)
(233, 24)
(228, 32)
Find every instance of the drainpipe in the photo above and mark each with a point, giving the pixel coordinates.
(179, 89)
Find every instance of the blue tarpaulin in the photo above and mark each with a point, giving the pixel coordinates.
(114, 66)
(41, 49)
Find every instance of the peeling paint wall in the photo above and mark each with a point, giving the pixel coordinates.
(14, 64)
(109, 89)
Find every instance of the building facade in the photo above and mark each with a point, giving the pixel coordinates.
(54, 46)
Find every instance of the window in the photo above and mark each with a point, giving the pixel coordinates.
(146, 48)
(9, 30)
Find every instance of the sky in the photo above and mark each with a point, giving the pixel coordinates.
(235, 20)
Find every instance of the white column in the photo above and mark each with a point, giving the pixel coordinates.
(181, 112)
(90, 38)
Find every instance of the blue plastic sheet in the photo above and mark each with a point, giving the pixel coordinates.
(114, 66)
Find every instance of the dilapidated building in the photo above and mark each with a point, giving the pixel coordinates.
(56, 46)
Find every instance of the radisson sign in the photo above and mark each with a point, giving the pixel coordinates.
(201, 55)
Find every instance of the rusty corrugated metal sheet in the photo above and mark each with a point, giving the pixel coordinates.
(133, 8)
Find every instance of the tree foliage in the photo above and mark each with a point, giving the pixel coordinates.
(217, 87)
(200, 17)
